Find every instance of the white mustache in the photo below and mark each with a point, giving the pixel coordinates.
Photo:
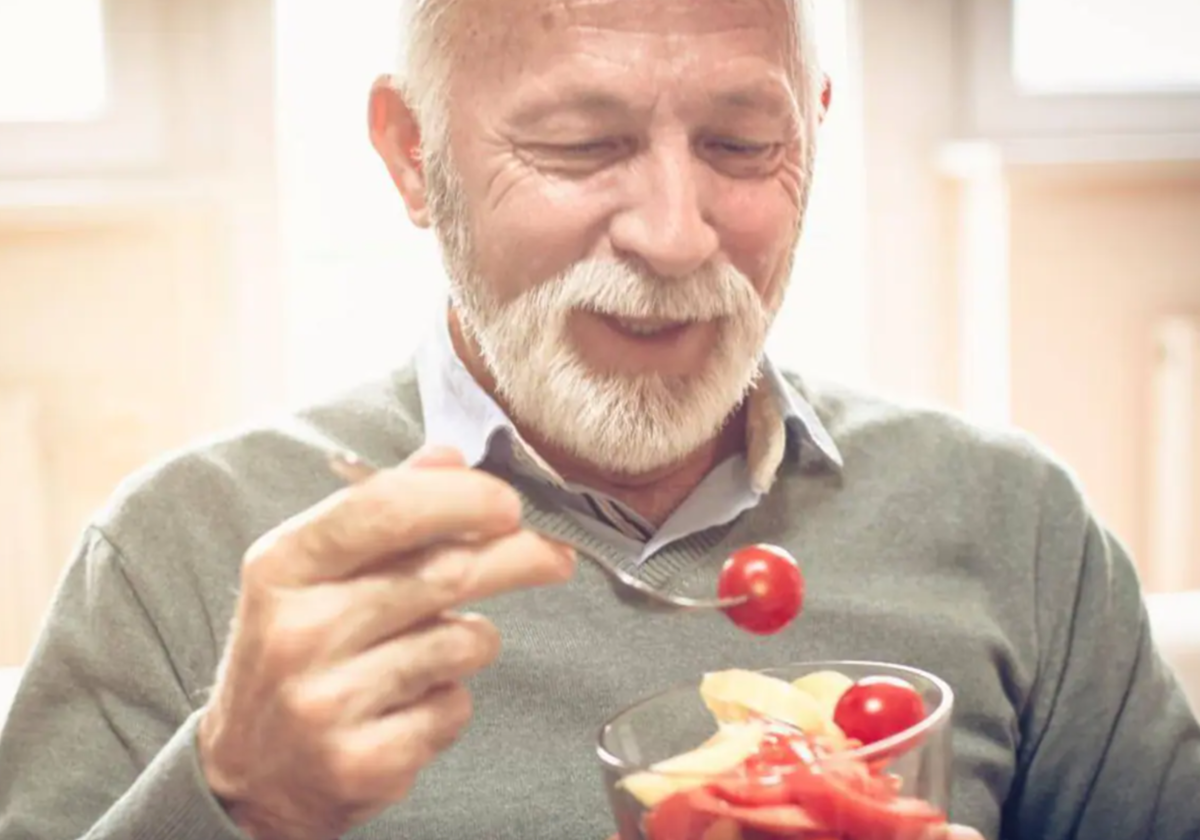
(613, 288)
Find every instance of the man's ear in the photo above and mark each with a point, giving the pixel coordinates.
(826, 96)
(397, 139)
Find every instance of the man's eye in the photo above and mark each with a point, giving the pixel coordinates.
(741, 148)
(578, 159)
(591, 148)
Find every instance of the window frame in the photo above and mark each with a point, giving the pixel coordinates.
(994, 106)
(131, 133)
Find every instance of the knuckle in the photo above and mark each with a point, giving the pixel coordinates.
(334, 533)
(454, 712)
(447, 646)
(313, 704)
(452, 576)
(347, 768)
(259, 559)
(460, 647)
(345, 522)
(291, 639)
(499, 499)
(282, 650)
(442, 735)
(292, 537)
(374, 514)
(487, 640)
(416, 755)
(556, 563)
(400, 506)
(413, 753)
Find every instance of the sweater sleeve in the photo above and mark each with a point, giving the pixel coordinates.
(100, 740)
(1110, 747)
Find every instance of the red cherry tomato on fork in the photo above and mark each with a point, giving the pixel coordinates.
(772, 580)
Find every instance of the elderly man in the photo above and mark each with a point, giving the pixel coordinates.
(245, 647)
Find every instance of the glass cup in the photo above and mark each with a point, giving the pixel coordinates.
(762, 780)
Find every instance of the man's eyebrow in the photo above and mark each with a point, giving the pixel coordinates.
(770, 101)
(587, 101)
(773, 101)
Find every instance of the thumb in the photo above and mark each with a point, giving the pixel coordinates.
(353, 470)
(436, 456)
(961, 832)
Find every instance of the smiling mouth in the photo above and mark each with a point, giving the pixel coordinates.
(647, 327)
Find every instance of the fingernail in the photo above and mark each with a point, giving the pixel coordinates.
(347, 466)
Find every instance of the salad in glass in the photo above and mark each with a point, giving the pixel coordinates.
(816, 751)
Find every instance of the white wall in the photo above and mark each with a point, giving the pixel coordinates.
(361, 282)
(137, 278)
(910, 109)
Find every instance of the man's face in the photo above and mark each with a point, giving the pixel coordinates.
(619, 204)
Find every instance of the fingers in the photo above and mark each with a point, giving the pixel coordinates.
(350, 616)
(314, 626)
(961, 832)
(393, 512)
(401, 671)
(436, 456)
(342, 676)
(451, 576)
(351, 469)
(379, 759)
(956, 832)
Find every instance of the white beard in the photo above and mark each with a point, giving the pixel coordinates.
(628, 424)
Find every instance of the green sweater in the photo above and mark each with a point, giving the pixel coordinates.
(966, 552)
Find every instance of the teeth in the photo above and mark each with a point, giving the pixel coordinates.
(640, 327)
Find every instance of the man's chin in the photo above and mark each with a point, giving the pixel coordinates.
(613, 462)
(616, 423)
(632, 440)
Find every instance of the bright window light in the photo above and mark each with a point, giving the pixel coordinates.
(1106, 46)
(363, 284)
(52, 61)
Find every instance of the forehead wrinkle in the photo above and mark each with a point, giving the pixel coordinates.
(490, 24)
(497, 39)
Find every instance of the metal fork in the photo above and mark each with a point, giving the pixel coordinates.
(354, 469)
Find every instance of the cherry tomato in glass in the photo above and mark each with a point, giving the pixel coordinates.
(875, 708)
(772, 580)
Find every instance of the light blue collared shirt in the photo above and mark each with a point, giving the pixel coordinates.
(459, 413)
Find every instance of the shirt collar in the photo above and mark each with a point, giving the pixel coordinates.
(458, 413)
(778, 414)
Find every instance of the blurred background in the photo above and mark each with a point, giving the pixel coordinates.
(194, 232)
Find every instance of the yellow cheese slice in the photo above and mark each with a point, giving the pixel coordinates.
(689, 770)
(737, 695)
(826, 687)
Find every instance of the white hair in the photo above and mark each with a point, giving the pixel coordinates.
(427, 58)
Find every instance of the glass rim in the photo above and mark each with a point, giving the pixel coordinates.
(866, 752)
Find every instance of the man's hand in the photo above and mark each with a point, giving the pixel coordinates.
(343, 674)
(953, 832)
(960, 832)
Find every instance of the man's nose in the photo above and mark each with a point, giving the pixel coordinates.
(665, 223)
